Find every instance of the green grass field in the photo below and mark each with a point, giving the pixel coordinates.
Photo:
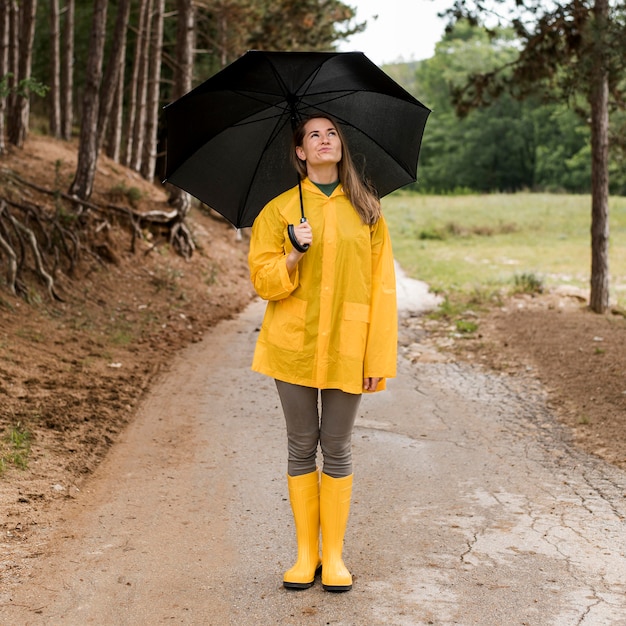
(486, 243)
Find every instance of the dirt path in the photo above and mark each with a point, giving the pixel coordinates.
(469, 508)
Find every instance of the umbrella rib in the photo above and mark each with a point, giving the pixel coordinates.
(271, 138)
(404, 166)
(310, 79)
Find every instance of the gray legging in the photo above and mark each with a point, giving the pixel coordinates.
(306, 426)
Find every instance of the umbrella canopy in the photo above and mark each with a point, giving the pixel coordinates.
(229, 139)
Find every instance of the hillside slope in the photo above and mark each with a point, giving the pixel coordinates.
(73, 372)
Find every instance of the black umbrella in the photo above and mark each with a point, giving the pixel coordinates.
(229, 139)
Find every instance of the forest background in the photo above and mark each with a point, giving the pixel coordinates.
(153, 51)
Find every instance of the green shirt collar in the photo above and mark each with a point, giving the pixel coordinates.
(328, 188)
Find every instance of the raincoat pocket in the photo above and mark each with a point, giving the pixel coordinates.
(287, 327)
(354, 328)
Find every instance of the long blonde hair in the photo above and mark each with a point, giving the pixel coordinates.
(360, 192)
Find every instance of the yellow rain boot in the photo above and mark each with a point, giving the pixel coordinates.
(335, 494)
(304, 495)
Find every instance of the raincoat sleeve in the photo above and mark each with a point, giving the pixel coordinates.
(267, 258)
(381, 351)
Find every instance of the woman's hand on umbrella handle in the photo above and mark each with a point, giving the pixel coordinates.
(301, 235)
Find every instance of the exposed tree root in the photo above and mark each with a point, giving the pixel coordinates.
(47, 241)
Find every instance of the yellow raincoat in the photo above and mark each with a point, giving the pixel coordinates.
(333, 321)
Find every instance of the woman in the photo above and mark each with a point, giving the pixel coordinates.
(330, 329)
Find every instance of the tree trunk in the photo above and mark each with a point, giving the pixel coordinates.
(67, 73)
(183, 78)
(114, 68)
(113, 142)
(82, 185)
(599, 96)
(139, 130)
(185, 47)
(55, 71)
(19, 105)
(148, 159)
(134, 81)
(13, 52)
(12, 18)
(4, 64)
(223, 39)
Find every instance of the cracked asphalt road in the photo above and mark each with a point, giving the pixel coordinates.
(470, 507)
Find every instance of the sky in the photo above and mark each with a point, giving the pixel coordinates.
(406, 30)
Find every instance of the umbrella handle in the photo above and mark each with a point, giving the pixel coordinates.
(294, 241)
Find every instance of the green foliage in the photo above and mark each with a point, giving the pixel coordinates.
(466, 327)
(454, 229)
(31, 334)
(431, 234)
(561, 47)
(67, 218)
(505, 145)
(122, 337)
(528, 282)
(4, 85)
(460, 309)
(120, 193)
(28, 86)
(301, 24)
(557, 50)
(15, 447)
(25, 87)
